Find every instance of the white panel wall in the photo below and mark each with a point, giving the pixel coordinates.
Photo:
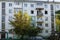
(8, 15)
(0, 17)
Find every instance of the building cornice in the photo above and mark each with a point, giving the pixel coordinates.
(29, 1)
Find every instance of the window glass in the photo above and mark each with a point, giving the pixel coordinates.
(25, 5)
(46, 5)
(3, 5)
(17, 3)
(51, 7)
(40, 3)
(57, 6)
(39, 24)
(3, 18)
(46, 31)
(10, 18)
(32, 5)
(10, 10)
(46, 18)
(10, 4)
(46, 25)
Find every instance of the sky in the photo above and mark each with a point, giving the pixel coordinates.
(54, 0)
(49, 0)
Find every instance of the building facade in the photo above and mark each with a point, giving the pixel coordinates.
(42, 13)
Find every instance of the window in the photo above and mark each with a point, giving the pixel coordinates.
(46, 5)
(52, 13)
(57, 6)
(51, 7)
(40, 3)
(39, 24)
(16, 10)
(46, 31)
(17, 3)
(3, 11)
(46, 12)
(3, 34)
(32, 12)
(3, 25)
(32, 5)
(25, 5)
(3, 5)
(10, 18)
(33, 18)
(3, 18)
(46, 19)
(10, 10)
(40, 31)
(46, 25)
(10, 4)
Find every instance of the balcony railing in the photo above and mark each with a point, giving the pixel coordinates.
(40, 14)
(39, 19)
(39, 5)
(39, 26)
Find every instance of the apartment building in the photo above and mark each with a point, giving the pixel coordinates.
(42, 13)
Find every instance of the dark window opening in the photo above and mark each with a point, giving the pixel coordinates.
(3, 36)
(46, 25)
(46, 12)
(3, 5)
(3, 25)
(46, 31)
(32, 12)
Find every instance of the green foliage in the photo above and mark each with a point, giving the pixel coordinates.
(57, 12)
(58, 21)
(22, 25)
(34, 31)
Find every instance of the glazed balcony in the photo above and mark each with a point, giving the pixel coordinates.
(39, 26)
(39, 14)
(39, 20)
(39, 6)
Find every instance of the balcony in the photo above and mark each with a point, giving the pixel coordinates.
(52, 14)
(39, 20)
(39, 26)
(39, 6)
(39, 14)
(17, 5)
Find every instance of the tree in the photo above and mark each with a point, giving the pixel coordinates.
(22, 25)
(57, 12)
(58, 22)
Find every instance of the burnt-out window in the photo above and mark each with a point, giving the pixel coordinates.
(32, 12)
